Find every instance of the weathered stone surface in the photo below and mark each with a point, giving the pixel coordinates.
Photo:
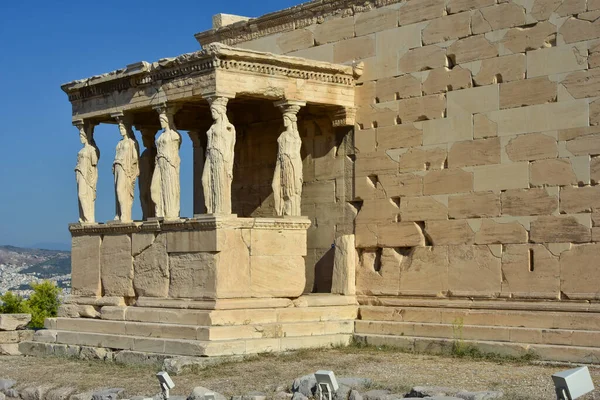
(473, 100)
(290, 280)
(6, 384)
(520, 40)
(473, 269)
(501, 177)
(474, 205)
(578, 268)
(449, 232)
(10, 349)
(475, 152)
(527, 92)
(422, 159)
(425, 271)
(444, 79)
(117, 266)
(595, 113)
(579, 199)
(555, 60)
(334, 30)
(192, 275)
(483, 127)
(378, 272)
(535, 201)
(552, 172)
(344, 266)
(398, 136)
(470, 49)
(151, 266)
(423, 58)
(576, 30)
(531, 147)
(570, 134)
(60, 393)
(34, 392)
(354, 49)
(595, 170)
(426, 10)
(456, 6)
(456, 128)
(199, 392)
(12, 322)
(583, 83)
(85, 256)
(501, 69)
(529, 269)
(375, 21)
(586, 145)
(492, 232)
(447, 27)
(447, 181)
(377, 210)
(395, 88)
(504, 15)
(431, 391)
(422, 108)
(422, 209)
(559, 229)
(485, 395)
(400, 234)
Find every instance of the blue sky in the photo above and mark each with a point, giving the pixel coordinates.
(44, 44)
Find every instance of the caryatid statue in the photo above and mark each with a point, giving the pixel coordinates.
(218, 167)
(147, 166)
(125, 169)
(288, 178)
(165, 187)
(86, 171)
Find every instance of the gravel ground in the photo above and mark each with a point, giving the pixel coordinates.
(389, 369)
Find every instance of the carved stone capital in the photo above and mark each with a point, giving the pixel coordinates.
(345, 116)
(211, 96)
(290, 106)
(167, 108)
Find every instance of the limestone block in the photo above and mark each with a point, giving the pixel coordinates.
(470, 49)
(595, 113)
(193, 275)
(344, 266)
(453, 129)
(444, 79)
(365, 140)
(520, 40)
(372, 163)
(579, 199)
(391, 44)
(555, 60)
(473, 269)
(400, 87)
(527, 92)
(500, 69)
(266, 242)
(529, 269)
(579, 270)
(576, 30)
(593, 5)
(422, 209)
(85, 266)
(504, 15)
(277, 276)
(474, 205)
(319, 192)
(422, 159)
(528, 202)
(378, 272)
(398, 136)
(366, 235)
(595, 170)
(422, 108)
(400, 234)
(377, 115)
(422, 58)
(456, 6)
(474, 100)
(354, 49)
(449, 232)
(117, 266)
(501, 177)
(542, 9)
(474, 152)
(12, 322)
(376, 20)
(377, 210)
(11, 349)
(447, 181)
(559, 229)
(425, 271)
(447, 27)
(570, 134)
(492, 232)
(334, 30)
(531, 147)
(297, 39)
(583, 83)
(557, 171)
(479, 24)
(364, 94)
(411, 12)
(150, 265)
(401, 185)
(483, 127)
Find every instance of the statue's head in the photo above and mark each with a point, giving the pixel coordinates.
(86, 132)
(289, 120)
(218, 107)
(163, 117)
(122, 129)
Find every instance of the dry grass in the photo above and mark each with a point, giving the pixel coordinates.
(389, 369)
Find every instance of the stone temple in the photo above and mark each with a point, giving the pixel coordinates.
(386, 171)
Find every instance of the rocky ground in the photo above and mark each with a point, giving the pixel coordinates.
(388, 370)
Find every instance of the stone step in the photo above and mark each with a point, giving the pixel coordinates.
(574, 354)
(189, 332)
(229, 317)
(188, 347)
(562, 337)
(511, 318)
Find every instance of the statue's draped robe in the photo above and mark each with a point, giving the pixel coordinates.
(86, 173)
(287, 180)
(165, 180)
(125, 170)
(217, 176)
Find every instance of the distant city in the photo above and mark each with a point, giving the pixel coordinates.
(21, 266)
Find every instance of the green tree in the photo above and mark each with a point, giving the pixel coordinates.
(12, 304)
(43, 303)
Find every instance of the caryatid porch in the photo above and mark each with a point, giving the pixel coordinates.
(215, 260)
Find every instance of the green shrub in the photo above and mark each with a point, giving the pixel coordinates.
(12, 304)
(43, 303)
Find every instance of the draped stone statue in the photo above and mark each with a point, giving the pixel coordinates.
(86, 172)
(126, 170)
(147, 165)
(165, 189)
(288, 178)
(218, 167)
